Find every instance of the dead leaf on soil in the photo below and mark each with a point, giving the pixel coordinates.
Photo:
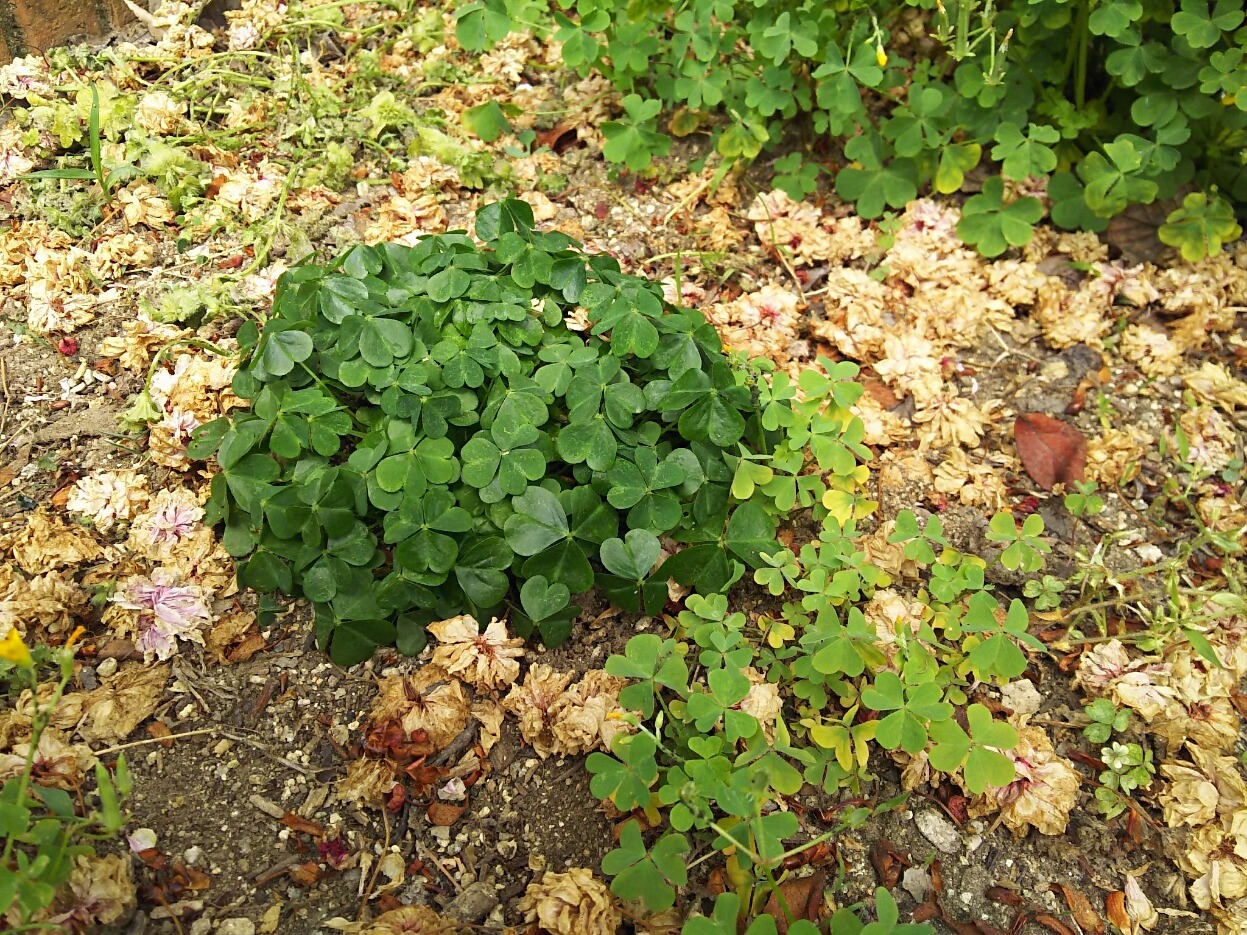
(889, 863)
(1053, 452)
(271, 919)
(881, 393)
(10, 470)
(306, 874)
(1005, 896)
(161, 734)
(304, 825)
(804, 898)
(1115, 909)
(1133, 232)
(1087, 918)
(1053, 923)
(122, 703)
(234, 638)
(445, 814)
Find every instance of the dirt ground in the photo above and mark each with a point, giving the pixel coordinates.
(236, 767)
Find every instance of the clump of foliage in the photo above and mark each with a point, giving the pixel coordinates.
(1128, 768)
(429, 436)
(45, 829)
(1108, 104)
(497, 428)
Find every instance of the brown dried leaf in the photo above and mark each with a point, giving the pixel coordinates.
(1134, 231)
(1005, 896)
(233, 635)
(804, 898)
(123, 702)
(305, 875)
(1087, 918)
(445, 814)
(889, 863)
(10, 470)
(881, 393)
(1115, 909)
(1053, 923)
(303, 825)
(161, 733)
(1053, 452)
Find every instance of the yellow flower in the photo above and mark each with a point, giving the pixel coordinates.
(881, 56)
(14, 650)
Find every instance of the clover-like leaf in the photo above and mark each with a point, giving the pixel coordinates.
(538, 522)
(625, 778)
(993, 226)
(1201, 227)
(652, 663)
(281, 348)
(652, 875)
(633, 141)
(1113, 178)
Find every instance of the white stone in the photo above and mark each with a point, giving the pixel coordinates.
(939, 831)
(917, 883)
(1021, 697)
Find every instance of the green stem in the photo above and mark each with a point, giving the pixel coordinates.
(39, 720)
(1083, 35)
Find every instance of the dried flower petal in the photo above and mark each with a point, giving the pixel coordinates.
(571, 903)
(486, 661)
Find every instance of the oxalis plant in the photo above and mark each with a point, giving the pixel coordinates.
(450, 428)
(1103, 104)
(499, 428)
(45, 829)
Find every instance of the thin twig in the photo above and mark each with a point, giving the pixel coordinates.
(256, 745)
(376, 868)
(4, 385)
(429, 855)
(143, 743)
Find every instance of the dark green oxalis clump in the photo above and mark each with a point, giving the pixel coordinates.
(428, 437)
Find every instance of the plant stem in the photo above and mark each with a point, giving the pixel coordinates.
(1083, 35)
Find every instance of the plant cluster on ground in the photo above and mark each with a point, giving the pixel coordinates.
(1074, 111)
(785, 522)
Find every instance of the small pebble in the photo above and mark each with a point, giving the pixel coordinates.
(939, 831)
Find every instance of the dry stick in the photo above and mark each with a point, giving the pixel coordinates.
(269, 874)
(376, 867)
(428, 854)
(255, 744)
(4, 385)
(142, 743)
(779, 254)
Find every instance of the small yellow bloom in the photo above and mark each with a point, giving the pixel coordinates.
(74, 637)
(881, 56)
(14, 650)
